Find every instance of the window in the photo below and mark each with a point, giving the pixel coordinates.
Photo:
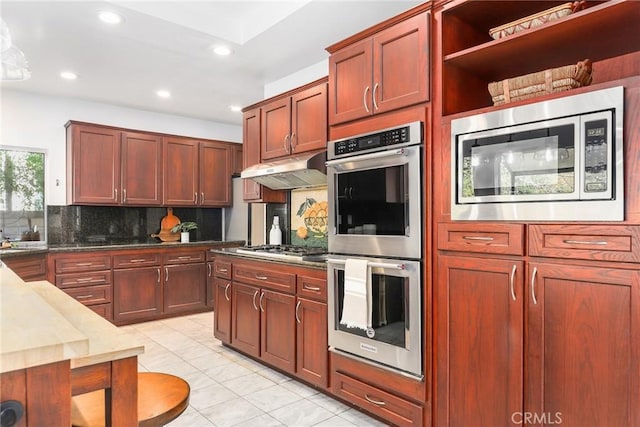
(22, 207)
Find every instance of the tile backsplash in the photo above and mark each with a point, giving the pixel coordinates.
(309, 216)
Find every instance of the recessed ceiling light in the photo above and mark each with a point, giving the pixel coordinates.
(163, 93)
(68, 75)
(110, 17)
(222, 50)
(235, 108)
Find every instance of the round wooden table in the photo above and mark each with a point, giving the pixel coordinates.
(161, 398)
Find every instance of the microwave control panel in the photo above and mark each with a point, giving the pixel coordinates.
(596, 137)
(388, 138)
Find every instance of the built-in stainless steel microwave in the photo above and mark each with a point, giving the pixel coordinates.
(560, 159)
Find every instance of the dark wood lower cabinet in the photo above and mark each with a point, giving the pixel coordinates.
(583, 345)
(222, 312)
(137, 293)
(245, 319)
(558, 345)
(184, 287)
(311, 339)
(277, 329)
(28, 267)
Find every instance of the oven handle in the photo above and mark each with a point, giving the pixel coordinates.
(371, 264)
(370, 156)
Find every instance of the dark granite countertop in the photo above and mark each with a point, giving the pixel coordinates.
(94, 246)
(321, 265)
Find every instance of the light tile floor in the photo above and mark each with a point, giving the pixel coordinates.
(229, 389)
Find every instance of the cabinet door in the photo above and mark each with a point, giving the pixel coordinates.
(350, 83)
(245, 318)
(479, 318)
(184, 287)
(94, 172)
(278, 330)
(236, 162)
(309, 119)
(215, 174)
(137, 293)
(311, 342)
(211, 290)
(583, 345)
(141, 169)
(251, 152)
(401, 65)
(222, 310)
(276, 129)
(180, 171)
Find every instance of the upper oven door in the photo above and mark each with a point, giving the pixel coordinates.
(376, 203)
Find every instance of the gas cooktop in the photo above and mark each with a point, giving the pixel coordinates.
(299, 253)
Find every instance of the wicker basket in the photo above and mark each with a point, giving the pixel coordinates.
(536, 20)
(541, 83)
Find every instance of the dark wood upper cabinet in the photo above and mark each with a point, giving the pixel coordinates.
(93, 164)
(141, 169)
(384, 72)
(251, 141)
(196, 173)
(295, 124)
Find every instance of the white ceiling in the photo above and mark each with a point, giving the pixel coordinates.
(167, 45)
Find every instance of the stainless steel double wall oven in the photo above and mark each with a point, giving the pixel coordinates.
(375, 190)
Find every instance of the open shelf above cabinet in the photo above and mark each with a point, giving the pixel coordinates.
(472, 59)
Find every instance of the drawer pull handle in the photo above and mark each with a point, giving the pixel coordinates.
(84, 264)
(158, 275)
(226, 292)
(208, 270)
(311, 288)
(375, 402)
(482, 238)
(513, 273)
(297, 310)
(137, 260)
(260, 302)
(185, 257)
(84, 280)
(166, 275)
(374, 96)
(223, 270)
(261, 277)
(364, 99)
(533, 285)
(586, 242)
(84, 296)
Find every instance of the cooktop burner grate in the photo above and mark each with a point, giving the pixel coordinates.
(284, 251)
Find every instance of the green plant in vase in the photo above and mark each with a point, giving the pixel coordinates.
(184, 228)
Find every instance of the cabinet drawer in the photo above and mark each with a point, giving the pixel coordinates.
(312, 287)
(135, 260)
(92, 278)
(91, 295)
(82, 263)
(392, 408)
(506, 239)
(183, 257)
(265, 276)
(222, 269)
(104, 310)
(593, 242)
(28, 268)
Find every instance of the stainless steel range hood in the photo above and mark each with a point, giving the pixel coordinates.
(294, 172)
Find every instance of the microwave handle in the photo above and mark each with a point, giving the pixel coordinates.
(372, 264)
(370, 156)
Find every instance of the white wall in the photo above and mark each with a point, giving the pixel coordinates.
(297, 79)
(35, 121)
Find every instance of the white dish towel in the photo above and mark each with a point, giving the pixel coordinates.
(356, 310)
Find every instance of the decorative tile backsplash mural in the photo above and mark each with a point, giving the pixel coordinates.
(309, 216)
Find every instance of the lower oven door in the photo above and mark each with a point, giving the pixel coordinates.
(394, 337)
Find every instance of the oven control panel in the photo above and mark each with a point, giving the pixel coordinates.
(409, 134)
